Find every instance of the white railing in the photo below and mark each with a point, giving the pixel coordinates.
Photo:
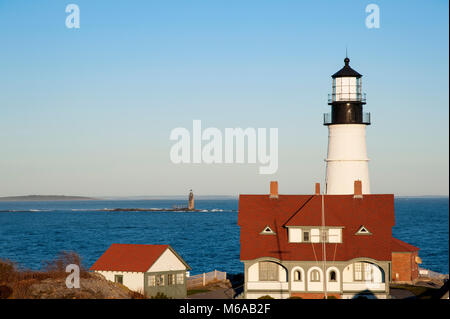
(202, 280)
(347, 97)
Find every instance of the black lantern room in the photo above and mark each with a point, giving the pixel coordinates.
(346, 99)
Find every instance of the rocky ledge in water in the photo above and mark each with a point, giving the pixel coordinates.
(175, 209)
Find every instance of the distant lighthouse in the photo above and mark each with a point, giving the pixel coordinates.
(191, 201)
(347, 159)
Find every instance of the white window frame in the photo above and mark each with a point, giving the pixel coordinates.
(151, 281)
(180, 279)
(314, 276)
(171, 279)
(295, 234)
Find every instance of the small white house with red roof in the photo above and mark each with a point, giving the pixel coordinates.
(147, 269)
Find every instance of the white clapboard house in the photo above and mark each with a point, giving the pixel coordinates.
(148, 269)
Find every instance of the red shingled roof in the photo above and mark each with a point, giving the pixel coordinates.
(129, 257)
(400, 246)
(375, 212)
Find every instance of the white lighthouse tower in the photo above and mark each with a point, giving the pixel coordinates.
(347, 160)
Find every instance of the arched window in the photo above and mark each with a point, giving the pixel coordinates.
(332, 275)
(297, 275)
(315, 275)
(268, 271)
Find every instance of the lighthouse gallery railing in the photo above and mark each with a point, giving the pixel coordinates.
(327, 118)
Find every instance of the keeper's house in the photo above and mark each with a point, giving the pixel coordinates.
(147, 269)
(311, 245)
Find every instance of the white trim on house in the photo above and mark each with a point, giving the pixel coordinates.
(311, 283)
(298, 285)
(267, 231)
(167, 261)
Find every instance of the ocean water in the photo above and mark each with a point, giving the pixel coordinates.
(32, 232)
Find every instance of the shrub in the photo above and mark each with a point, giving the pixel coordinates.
(160, 295)
(295, 297)
(138, 295)
(331, 297)
(8, 271)
(266, 297)
(57, 266)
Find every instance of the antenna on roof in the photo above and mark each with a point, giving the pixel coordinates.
(346, 55)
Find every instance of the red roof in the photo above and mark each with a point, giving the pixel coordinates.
(129, 257)
(400, 246)
(374, 212)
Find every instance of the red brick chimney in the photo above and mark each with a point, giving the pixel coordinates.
(317, 188)
(358, 189)
(273, 189)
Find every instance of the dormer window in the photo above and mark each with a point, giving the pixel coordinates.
(363, 231)
(267, 231)
(306, 236)
(311, 234)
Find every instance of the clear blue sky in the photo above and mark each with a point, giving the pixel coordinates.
(89, 111)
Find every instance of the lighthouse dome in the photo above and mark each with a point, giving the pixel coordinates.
(346, 71)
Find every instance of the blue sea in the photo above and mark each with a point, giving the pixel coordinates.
(32, 232)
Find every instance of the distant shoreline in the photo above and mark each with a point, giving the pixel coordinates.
(37, 198)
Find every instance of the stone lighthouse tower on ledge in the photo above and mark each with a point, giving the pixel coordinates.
(191, 201)
(347, 160)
